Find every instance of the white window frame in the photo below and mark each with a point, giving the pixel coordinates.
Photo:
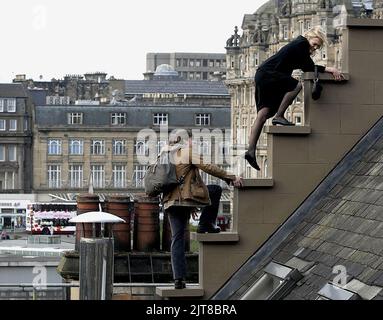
(138, 176)
(97, 147)
(2, 153)
(119, 176)
(54, 147)
(4, 126)
(119, 147)
(54, 176)
(75, 118)
(160, 119)
(2, 105)
(285, 32)
(76, 145)
(12, 124)
(11, 104)
(76, 175)
(12, 153)
(202, 119)
(118, 118)
(160, 145)
(204, 148)
(98, 175)
(141, 148)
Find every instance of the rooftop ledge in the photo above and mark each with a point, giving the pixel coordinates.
(189, 291)
(364, 23)
(215, 237)
(325, 76)
(291, 130)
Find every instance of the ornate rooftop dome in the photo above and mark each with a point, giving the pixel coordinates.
(165, 70)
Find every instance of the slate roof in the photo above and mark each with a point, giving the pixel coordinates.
(137, 116)
(181, 87)
(12, 90)
(340, 223)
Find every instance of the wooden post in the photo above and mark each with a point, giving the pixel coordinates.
(96, 268)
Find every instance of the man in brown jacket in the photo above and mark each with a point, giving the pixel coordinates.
(191, 193)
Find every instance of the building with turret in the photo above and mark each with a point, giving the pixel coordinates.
(264, 32)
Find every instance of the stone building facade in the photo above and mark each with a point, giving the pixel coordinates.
(76, 146)
(272, 26)
(190, 66)
(90, 88)
(15, 139)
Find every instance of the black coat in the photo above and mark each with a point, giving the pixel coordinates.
(273, 77)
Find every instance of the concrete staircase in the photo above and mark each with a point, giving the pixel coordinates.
(299, 157)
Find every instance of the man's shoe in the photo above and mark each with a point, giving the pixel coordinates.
(179, 284)
(282, 122)
(208, 229)
(252, 161)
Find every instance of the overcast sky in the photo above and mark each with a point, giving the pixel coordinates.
(53, 38)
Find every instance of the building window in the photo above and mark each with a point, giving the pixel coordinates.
(160, 145)
(54, 176)
(256, 59)
(54, 146)
(2, 152)
(8, 104)
(298, 120)
(202, 119)
(204, 148)
(211, 63)
(160, 119)
(75, 176)
(191, 75)
(118, 118)
(184, 62)
(204, 63)
(332, 292)
(75, 118)
(119, 176)
(141, 148)
(178, 63)
(301, 27)
(191, 63)
(76, 147)
(206, 178)
(138, 176)
(119, 147)
(204, 75)
(323, 23)
(324, 53)
(276, 282)
(198, 63)
(285, 32)
(98, 176)
(12, 153)
(244, 128)
(2, 125)
(307, 25)
(97, 147)
(198, 75)
(13, 125)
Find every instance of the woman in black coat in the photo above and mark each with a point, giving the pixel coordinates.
(275, 88)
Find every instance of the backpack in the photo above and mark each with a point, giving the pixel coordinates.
(161, 177)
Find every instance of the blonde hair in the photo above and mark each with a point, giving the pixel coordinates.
(317, 32)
